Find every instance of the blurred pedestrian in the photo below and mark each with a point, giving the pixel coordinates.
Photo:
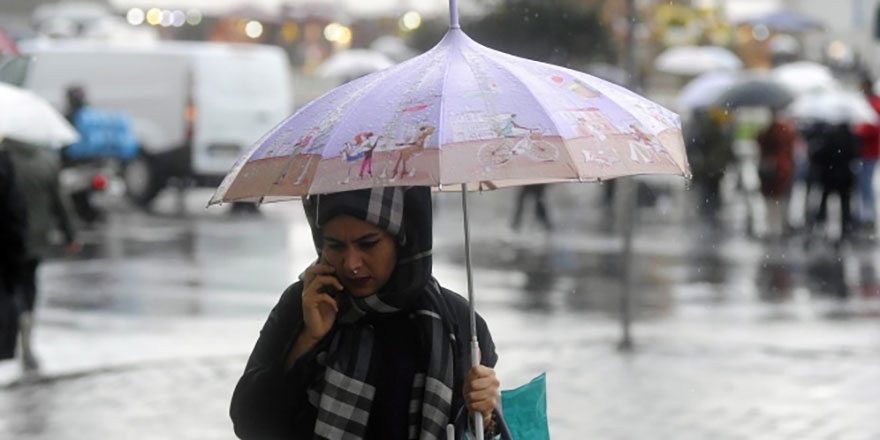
(536, 193)
(870, 136)
(36, 172)
(76, 101)
(834, 161)
(13, 230)
(107, 143)
(367, 344)
(776, 170)
(709, 143)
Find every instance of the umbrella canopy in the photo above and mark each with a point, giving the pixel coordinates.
(353, 63)
(804, 77)
(755, 92)
(460, 113)
(29, 118)
(834, 106)
(785, 44)
(786, 21)
(696, 60)
(703, 90)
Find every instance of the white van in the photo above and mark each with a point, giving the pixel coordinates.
(195, 106)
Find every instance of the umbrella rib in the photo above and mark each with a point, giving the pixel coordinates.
(346, 113)
(623, 108)
(442, 122)
(534, 97)
(385, 74)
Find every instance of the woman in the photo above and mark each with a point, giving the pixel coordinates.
(367, 344)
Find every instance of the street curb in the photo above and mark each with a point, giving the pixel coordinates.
(37, 378)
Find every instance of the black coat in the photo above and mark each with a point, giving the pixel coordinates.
(269, 403)
(13, 230)
(13, 226)
(836, 148)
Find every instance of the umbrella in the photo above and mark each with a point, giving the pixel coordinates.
(695, 60)
(29, 118)
(703, 90)
(755, 92)
(805, 76)
(784, 44)
(353, 63)
(834, 106)
(786, 21)
(460, 117)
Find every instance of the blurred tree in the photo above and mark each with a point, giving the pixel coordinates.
(564, 32)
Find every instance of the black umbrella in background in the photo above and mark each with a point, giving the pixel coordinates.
(755, 93)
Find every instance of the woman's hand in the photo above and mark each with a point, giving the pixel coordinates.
(319, 309)
(482, 391)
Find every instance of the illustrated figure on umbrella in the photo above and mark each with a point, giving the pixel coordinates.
(368, 344)
(411, 149)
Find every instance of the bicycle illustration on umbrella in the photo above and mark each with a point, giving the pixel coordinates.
(517, 140)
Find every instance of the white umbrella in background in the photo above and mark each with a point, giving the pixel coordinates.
(834, 106)
(29, 118)
(353, 63)
(394, 47)
(784, 44)
(705, 89)
(696, 60)
(802, 77)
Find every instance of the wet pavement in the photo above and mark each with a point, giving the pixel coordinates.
(144, 335)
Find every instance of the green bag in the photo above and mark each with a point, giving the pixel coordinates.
(525, 410)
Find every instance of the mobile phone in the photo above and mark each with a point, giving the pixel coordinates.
(327, 288)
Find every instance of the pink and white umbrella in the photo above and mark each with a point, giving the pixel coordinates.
(460, 113)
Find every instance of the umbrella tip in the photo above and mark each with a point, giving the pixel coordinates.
(453, 14)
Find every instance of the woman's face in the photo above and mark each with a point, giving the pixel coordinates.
(363, 254)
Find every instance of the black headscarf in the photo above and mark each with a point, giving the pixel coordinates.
(404, 212)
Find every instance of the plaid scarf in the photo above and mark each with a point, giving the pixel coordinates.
(343, 395)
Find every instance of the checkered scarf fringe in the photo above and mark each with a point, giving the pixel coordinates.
(343, 397)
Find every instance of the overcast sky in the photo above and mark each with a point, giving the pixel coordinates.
(355, 7)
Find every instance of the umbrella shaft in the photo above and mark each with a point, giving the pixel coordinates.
(475, 345)
(470, 272)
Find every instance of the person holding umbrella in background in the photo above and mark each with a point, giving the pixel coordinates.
(709, 141)
(367, 344)
(776, 170)
(836, 150)
(37, 171)
(870, 136)
(32, 127)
